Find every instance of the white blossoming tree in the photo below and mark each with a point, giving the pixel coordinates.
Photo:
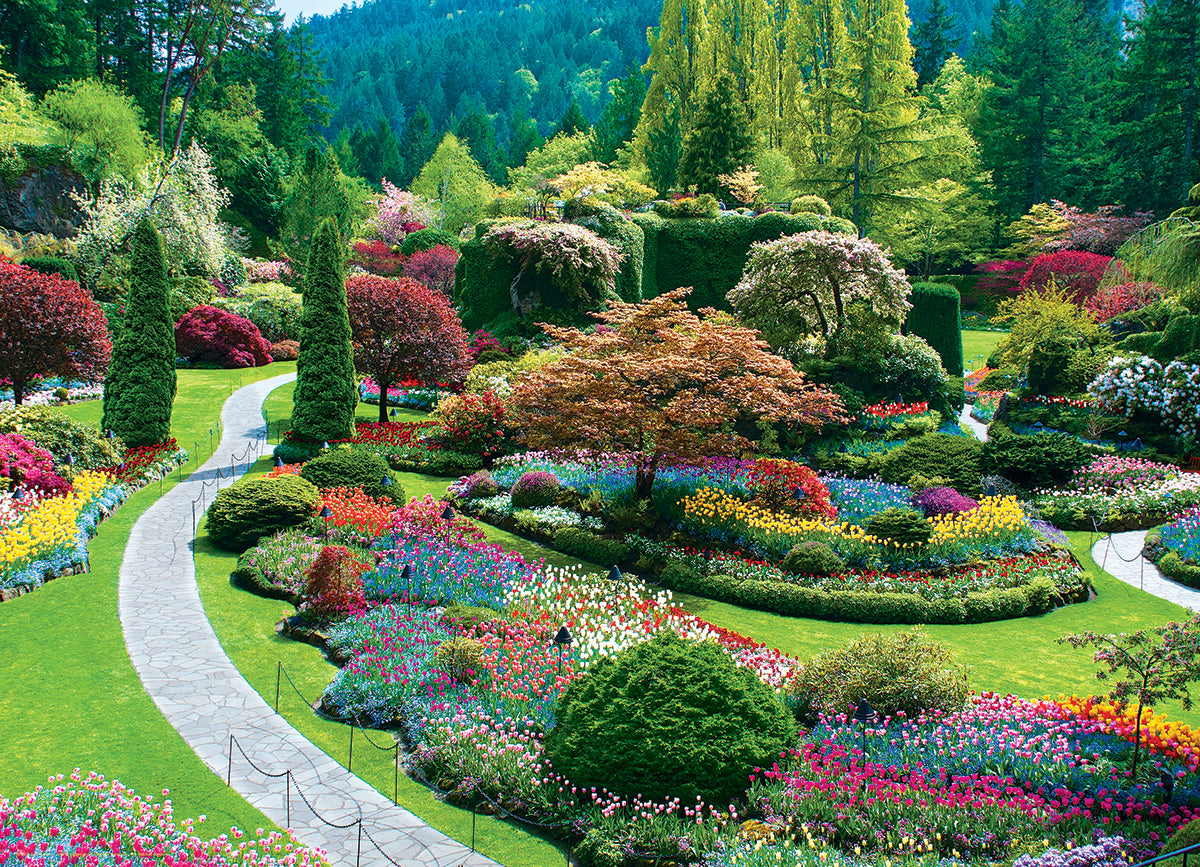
(800, 286)
(182, 200)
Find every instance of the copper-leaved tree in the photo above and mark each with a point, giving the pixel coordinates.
(659, 383)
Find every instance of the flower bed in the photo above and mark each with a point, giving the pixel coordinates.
(1120, 493)
(1175, 548)
(411, 395)
(90, 820)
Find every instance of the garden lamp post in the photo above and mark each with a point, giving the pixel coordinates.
(326, 514)
(614, 574)
(69, 460)
(386, 481)
(865, 714)
(108, 434)
(562, 640)
(324, 445)
(448, 513)
(1167, 781)
(393, 412)
(18, 494)
(278, 461)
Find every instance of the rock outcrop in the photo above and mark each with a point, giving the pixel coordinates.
(41, 201)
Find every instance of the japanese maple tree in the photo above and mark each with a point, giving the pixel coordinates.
(657, 382)
(402, 329)
(49, 327)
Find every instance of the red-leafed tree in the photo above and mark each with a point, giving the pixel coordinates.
(433, 267)
(661, 383)
(402, 329)
(1073, 270)
(49, 327)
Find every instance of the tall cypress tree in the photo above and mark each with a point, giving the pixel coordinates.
(140, 386)
(720, 141)
(325, 396)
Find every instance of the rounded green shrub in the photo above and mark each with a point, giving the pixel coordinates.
(460, 657)
(811, 205)
(1048, 364)
(668, 718)
(812, 558)
(427, 239)
(252, 508)
(1184, 836)
(957, 459)
(907, 672)
(62, 436)
(902, 526)
(1042, 460)
(64, 268)
(188, 293)
(533, 489)
(351, 468)
(1004, 379)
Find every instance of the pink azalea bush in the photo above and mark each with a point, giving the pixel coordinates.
(398, 213)
(29, 466)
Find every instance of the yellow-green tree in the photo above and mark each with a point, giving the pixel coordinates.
(455, 183)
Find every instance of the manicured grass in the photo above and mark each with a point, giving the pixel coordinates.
(69, 696)
(978, 345)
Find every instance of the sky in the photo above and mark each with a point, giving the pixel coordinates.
(292, 8)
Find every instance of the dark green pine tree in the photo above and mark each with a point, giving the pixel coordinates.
(417, 144)
(325, 396)
(662, 155)
(933, 42)
(140, 387)
(719, 142)
(573, 121)
(615, 128)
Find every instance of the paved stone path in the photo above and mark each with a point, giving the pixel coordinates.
(974, 425)
(1123, 559)
(185, 670)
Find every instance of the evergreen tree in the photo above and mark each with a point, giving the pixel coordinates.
(325, 395)
(477, 130)
(377, 152)
(573, 121)
(1156, 162)
(719, 143)
(417, 144)
(615, 128)
(140, 387)
(523, 138)
(933, 42)
(663, 146)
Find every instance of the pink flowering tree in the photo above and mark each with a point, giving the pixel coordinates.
(399, 212)
(801, 285)
(579, 263)
(1148, 667)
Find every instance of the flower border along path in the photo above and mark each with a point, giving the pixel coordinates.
(1120, 555)
(185, 670)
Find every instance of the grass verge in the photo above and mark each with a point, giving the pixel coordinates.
(69, 696)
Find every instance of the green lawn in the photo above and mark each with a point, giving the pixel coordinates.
(69, 696)
(978, 345)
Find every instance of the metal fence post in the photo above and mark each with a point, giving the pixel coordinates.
(288, 798)
(350, 763)
(229, 769)
(278, 680)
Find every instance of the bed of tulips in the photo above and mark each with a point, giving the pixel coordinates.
(1114, 489)
(80, 820)
(52, 536)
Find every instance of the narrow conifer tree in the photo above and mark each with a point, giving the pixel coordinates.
(720, 142)
(325, 396)
(140, 387)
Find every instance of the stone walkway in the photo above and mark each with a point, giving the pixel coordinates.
(974, 425)
(185, 670)
(1123, 559)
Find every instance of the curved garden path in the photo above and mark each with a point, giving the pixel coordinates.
(1120, 555)
(185, 670)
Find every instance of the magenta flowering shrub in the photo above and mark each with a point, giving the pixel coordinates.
(433, 267)
(484, 341)
(533, 489)
(208, 334)
(942, 501)
(90, 820)
(480, 484)
(30, 466)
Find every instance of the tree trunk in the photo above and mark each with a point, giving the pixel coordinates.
(1137, 740)
(383, 400)
(1189, 116)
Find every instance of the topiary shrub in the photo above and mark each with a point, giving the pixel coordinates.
(1043, 460)
(534, 489)
(902, 526)
(209, 334)
(668, 718)
(285, 350)
(460, 657)
(1184, 836)
(935, 317)
(252, 508)
(907, 672)
(812, 558)
(588, 546)
(1004, 379)
(351, 468)
(481, 484)
(957, 459)
(1182, 336)
(811, 205)
(934, 501)
(427, 239)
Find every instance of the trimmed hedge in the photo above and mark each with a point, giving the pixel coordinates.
(586, 545)
(1170, 563)
(352, 468)
(629, 239)
(427, 239)
(957, 459)
(64, 268)
(935, 317)
(794, 600)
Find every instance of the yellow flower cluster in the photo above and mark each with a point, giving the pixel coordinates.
(710, 507)
(52, 526)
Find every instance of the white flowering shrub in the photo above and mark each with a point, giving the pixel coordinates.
(1170, 393)
(183, 200)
